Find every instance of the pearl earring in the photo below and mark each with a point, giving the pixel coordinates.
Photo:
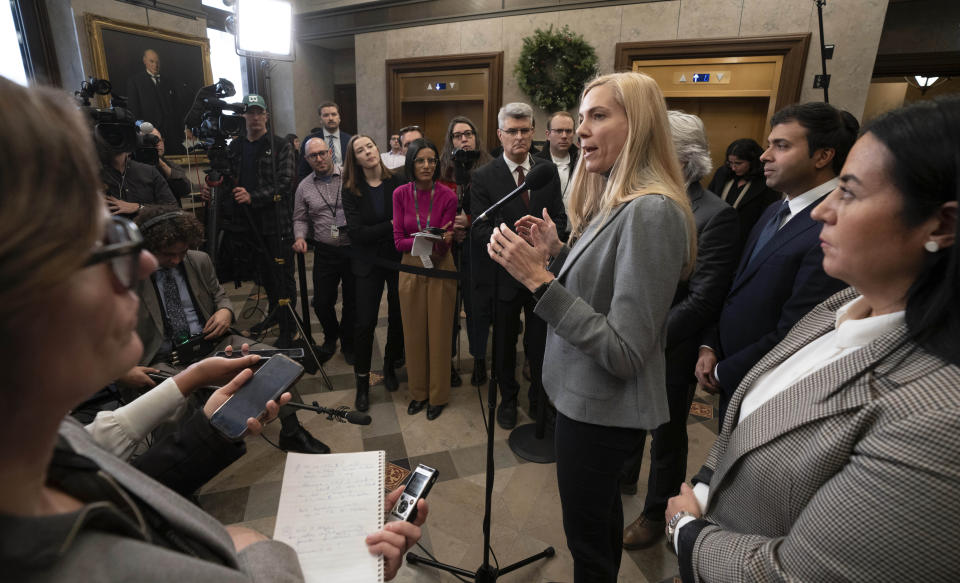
(931, 246)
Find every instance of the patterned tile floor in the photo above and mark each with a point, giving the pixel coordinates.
(526, 504)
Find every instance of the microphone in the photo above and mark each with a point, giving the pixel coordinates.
(341, 414)
(538, 177)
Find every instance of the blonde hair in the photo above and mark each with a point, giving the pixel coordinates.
(49, 197)
(647, 164)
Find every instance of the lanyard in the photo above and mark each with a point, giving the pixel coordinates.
(336, 204)
(416, 208)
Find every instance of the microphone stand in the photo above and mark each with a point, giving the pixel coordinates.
(487, 573)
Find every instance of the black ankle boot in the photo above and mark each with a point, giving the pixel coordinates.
(390, 377)
(362, 402)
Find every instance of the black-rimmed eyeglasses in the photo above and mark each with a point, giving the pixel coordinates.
(121, 246)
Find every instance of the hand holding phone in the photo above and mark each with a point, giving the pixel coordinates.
(255, 389)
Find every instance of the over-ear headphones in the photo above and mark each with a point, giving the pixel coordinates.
(160, 218)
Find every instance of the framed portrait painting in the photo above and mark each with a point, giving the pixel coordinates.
(158, 72)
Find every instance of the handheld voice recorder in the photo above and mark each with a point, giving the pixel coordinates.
(418, 486)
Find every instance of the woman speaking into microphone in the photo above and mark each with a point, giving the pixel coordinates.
(605, 299)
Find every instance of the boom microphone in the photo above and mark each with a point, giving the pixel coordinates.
(538, 177)
(340, 414)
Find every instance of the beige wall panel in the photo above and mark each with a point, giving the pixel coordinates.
(650, 21)
(852, 65)
(372, 54)
(709, 18)
(769, 17)
(176, 23)
(312, 85)
(515, 29)
(600, 27)
(482, 36)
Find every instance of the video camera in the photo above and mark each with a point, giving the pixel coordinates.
(116, 126)
(206, 118)
(463, 161)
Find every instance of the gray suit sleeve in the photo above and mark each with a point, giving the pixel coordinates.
(889, 515)
(649, 257)
(270, 561)
(209, 276)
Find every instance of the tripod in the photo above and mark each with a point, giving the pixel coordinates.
(487, 573)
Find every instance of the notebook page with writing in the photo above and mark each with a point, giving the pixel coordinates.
(328, 505)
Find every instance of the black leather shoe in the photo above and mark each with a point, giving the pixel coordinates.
(390, 377)
(507, 415)
(302, 442)
(479, 375)
(433, 411)
(362, 402)
(416, 406)
(455, 380)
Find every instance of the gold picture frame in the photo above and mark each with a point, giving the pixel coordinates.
(117, 50)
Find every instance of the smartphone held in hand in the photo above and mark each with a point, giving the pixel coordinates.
(270, 381)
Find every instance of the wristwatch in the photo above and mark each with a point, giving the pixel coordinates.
(672, 527)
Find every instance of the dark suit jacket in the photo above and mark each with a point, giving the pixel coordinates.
(757, 198)
(698, 300)
(207, 293)
(303, 168)
(157, 103)
(767, 298)
(371, 235)
(490, 183)
(828, 484)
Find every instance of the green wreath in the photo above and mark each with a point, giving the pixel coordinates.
(554, 66)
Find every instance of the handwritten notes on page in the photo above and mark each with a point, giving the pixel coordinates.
(328, 505)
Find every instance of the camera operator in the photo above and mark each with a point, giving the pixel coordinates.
(175, 176)
(256, 210)
(128, 184)
(460, 156)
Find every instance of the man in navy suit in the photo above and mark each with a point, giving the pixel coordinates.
(491, 182)
(336, 140)
(780, 276)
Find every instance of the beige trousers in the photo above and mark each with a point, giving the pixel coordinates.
(426, 305)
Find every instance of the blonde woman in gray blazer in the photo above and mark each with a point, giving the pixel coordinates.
(840, 454)
(605, 300)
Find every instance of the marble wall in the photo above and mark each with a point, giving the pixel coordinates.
(851, 66)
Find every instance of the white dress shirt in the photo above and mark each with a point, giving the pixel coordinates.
(853, 330)
(563, 168)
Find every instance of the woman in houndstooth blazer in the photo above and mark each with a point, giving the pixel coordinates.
(840, 454)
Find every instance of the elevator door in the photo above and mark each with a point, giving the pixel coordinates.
(726, 119)
(433, 116)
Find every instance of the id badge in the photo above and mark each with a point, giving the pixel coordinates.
(334, 231)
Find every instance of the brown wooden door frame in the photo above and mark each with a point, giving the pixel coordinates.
(793, 48)
(493, 62)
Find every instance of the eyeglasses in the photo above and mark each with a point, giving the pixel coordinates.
(122, 247)
(315, 155)
(425, 161)
(562, 132)
(524, 132)
(464, 134)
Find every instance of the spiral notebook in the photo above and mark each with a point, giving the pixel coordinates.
(328, 505)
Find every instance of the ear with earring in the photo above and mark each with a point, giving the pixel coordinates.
(931, 246)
